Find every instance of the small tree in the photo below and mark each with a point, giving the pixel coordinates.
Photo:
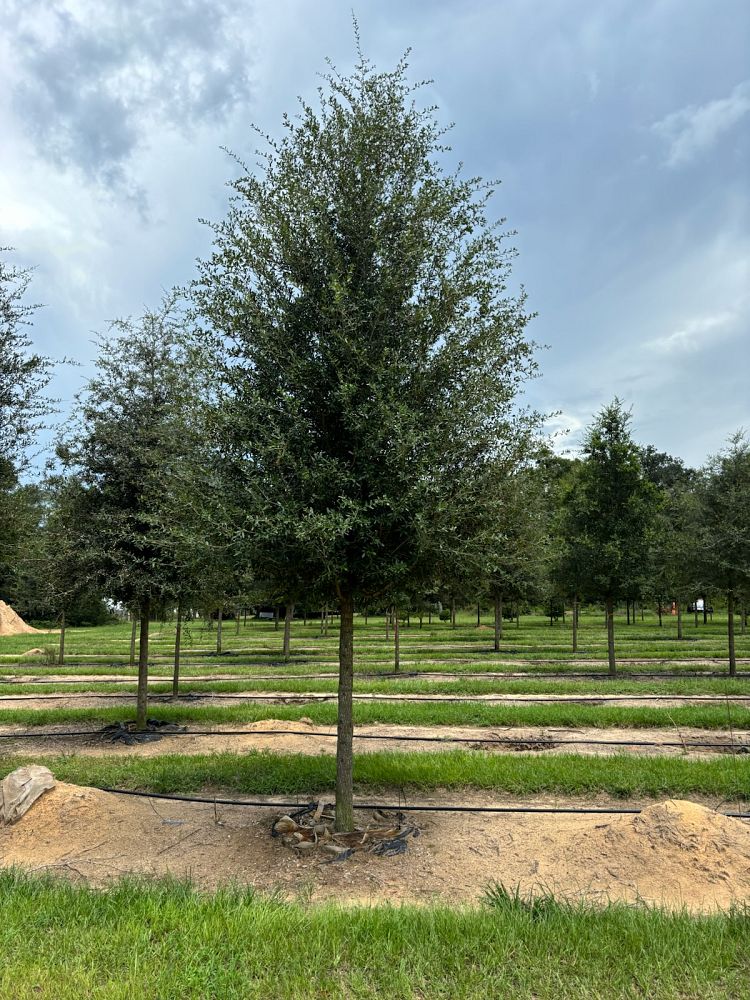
(610, 510)
(131, 450)
(371, 354)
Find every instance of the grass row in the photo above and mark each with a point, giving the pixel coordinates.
(266, 773)
(167, 940)
(686, 686)
(710, 717)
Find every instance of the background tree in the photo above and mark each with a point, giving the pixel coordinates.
(610, 510)
(131, 450)
(372, 352)
(724, 491)
(24, 377)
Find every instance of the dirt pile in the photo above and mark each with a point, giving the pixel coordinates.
(13, 624)
(673, 850)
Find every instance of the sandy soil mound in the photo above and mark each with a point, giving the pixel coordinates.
(11, 623)
(674, 853)
(673, 850)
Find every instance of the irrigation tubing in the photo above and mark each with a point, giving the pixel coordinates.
(570, 810)
(552, 741)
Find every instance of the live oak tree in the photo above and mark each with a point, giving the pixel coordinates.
(131, 450)
(372, 353)
(24, 377)
(724, 492)
(609, 509)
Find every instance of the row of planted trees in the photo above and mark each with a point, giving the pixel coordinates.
(329, 414)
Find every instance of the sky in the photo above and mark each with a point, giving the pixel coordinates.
(620, 130)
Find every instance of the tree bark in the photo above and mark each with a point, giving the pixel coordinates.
(345, 728)
(659, 613)
(132, 639)
(237, 615)
(177, 649)
(396, 642)
(627, 610)
(61, 653)
(288, 615)
(679, 620)
(453, 612)
(705, 610)
(730, 634)
(611, 636)
(498, 622)
(219, 621)
(575, 623)
(141, 714)
(479, 616)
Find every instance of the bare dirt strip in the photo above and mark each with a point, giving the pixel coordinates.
(423, 675)
(306, 737)
(673, 854)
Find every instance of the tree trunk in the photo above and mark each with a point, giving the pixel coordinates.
(498, 622)
(396, 642)
(730, 634)
(237, 623)
(696, 615)
(679, 620)
(658, 611)
(479, 616)
(345, 729)
(132, 639)
(61, 653)
(288, 615)
(304, 616)
(705, 610)
(219, 621)
(627, 610)
(575, 623)
(611, 636)
(177, 647)
(141, 714)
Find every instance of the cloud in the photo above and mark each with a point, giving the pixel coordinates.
(94, 80)
(696, 128)
(696, 335)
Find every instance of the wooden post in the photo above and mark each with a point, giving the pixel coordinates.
(288, 615)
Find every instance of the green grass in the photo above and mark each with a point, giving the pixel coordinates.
(265, 773)
(466, 646)
(458, 687)
(62, 942)
(718, 716)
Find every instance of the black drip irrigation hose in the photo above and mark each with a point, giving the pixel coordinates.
(540, 740)
(400, 807)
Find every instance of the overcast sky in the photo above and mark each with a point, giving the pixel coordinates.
(620, 130)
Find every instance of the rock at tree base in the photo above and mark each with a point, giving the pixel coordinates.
(13, 624)
(20, 789)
